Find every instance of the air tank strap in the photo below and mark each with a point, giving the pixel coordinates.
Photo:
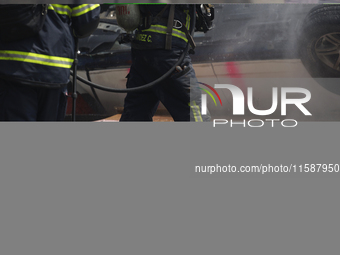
(168, 37)
(189, 37)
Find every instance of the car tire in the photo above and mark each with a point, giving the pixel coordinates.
(319, 44)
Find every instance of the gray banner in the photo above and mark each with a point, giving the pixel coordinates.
(131, 188)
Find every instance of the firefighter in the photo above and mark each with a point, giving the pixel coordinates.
(35, 71)
(153, 54)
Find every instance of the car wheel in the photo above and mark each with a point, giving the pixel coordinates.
(319, 44)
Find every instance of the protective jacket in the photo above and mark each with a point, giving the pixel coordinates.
(46, 58)
(152, 35)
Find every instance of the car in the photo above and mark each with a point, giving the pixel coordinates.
(242, 32)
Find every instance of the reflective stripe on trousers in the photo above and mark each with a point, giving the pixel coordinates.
(196, 111)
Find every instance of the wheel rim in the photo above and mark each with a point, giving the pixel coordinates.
(327, 48)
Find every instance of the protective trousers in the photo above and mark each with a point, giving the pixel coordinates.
(180, 93)
(28, 103)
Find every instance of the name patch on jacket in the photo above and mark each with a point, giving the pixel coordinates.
(143, 38)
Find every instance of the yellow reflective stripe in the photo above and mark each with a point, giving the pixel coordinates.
(23, 53)
(187, 24)
(196, 111)
(35, 62)
(82, 9)
(36, 58)
(62, 9)
(162, 30)
(193, 112)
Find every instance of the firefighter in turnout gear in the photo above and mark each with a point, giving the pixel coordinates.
(35, 71)
(158, 44)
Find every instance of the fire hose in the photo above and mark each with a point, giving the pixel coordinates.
(148, 85)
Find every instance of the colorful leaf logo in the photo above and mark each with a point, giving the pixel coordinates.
(209, 93)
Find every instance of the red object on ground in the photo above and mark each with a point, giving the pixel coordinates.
(82, 106)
